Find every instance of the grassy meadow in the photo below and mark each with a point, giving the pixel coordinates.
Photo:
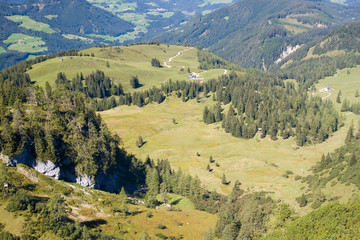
(126, 62)
(25, 43)
(95, 208)
(259, 164)
(28, 23)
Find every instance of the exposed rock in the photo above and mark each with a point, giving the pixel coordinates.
(85, 181)
(25, 157)
(107, 182)
(48, 168)
(289, 50)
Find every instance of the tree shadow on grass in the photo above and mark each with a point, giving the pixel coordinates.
(94, 223)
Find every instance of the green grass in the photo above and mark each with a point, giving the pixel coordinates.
(163, 14)
(25, 43)
(13, 224)
(291, 24)
(124, 63)
(347, 83)
(114, 6)
(258, 163)
(71, 36)
(90, 204)
(2, 50)
(51, 16)
(180, 202)
(28, 23)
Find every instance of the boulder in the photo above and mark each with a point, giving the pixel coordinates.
(48, 168)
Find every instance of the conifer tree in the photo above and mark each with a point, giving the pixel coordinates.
(350, 135)
(223, 180)
(153, 183)
(134, 82)
(303, 201)
(123, 201)
(352, 160)
(338, 99)
(139, 142)
(209, 235)
(163, 191)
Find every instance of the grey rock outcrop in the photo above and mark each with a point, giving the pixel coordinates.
(107, 182)
(48, 168)
(86, 181)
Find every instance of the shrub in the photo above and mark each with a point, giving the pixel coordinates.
(19, 201)
(161, 226)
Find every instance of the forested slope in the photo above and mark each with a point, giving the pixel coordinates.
(256, 33)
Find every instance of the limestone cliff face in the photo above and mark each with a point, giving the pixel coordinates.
(107, 182)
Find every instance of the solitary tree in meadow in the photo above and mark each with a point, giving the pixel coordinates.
(134, 82)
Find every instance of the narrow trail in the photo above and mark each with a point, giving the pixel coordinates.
(326, 96)
(178, 54)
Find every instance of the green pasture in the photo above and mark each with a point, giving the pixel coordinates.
(51, 16)
(13, 224)
(259, 164)
(29, 23)
(2, 50)
(346, 80)
(126, 62)
(71, 36)
(25, 43)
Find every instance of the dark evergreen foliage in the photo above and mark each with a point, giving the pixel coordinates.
(155, 62)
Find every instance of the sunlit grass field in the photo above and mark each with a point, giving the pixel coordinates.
(259, 164)
(124, 63)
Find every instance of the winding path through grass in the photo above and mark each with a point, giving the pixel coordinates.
(178, 54)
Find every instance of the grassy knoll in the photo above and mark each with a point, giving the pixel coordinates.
(346, 80)
(124, 63)
(28, 23)
(25, 43)
(96, 209)
(260, 164)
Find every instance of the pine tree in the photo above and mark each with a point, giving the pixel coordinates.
(139, 142)
(134, 82)
(123, 201)
(163, 191)
(338, 99)
(208, 167)
(228, 233)
(223, 180)
(350, 135)
(107, 64)
(235, 193)
(155, 62)
(357, 93)
(209, 235)
(153, 182)
(352, 160)
(211, 160)
(303, 201)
